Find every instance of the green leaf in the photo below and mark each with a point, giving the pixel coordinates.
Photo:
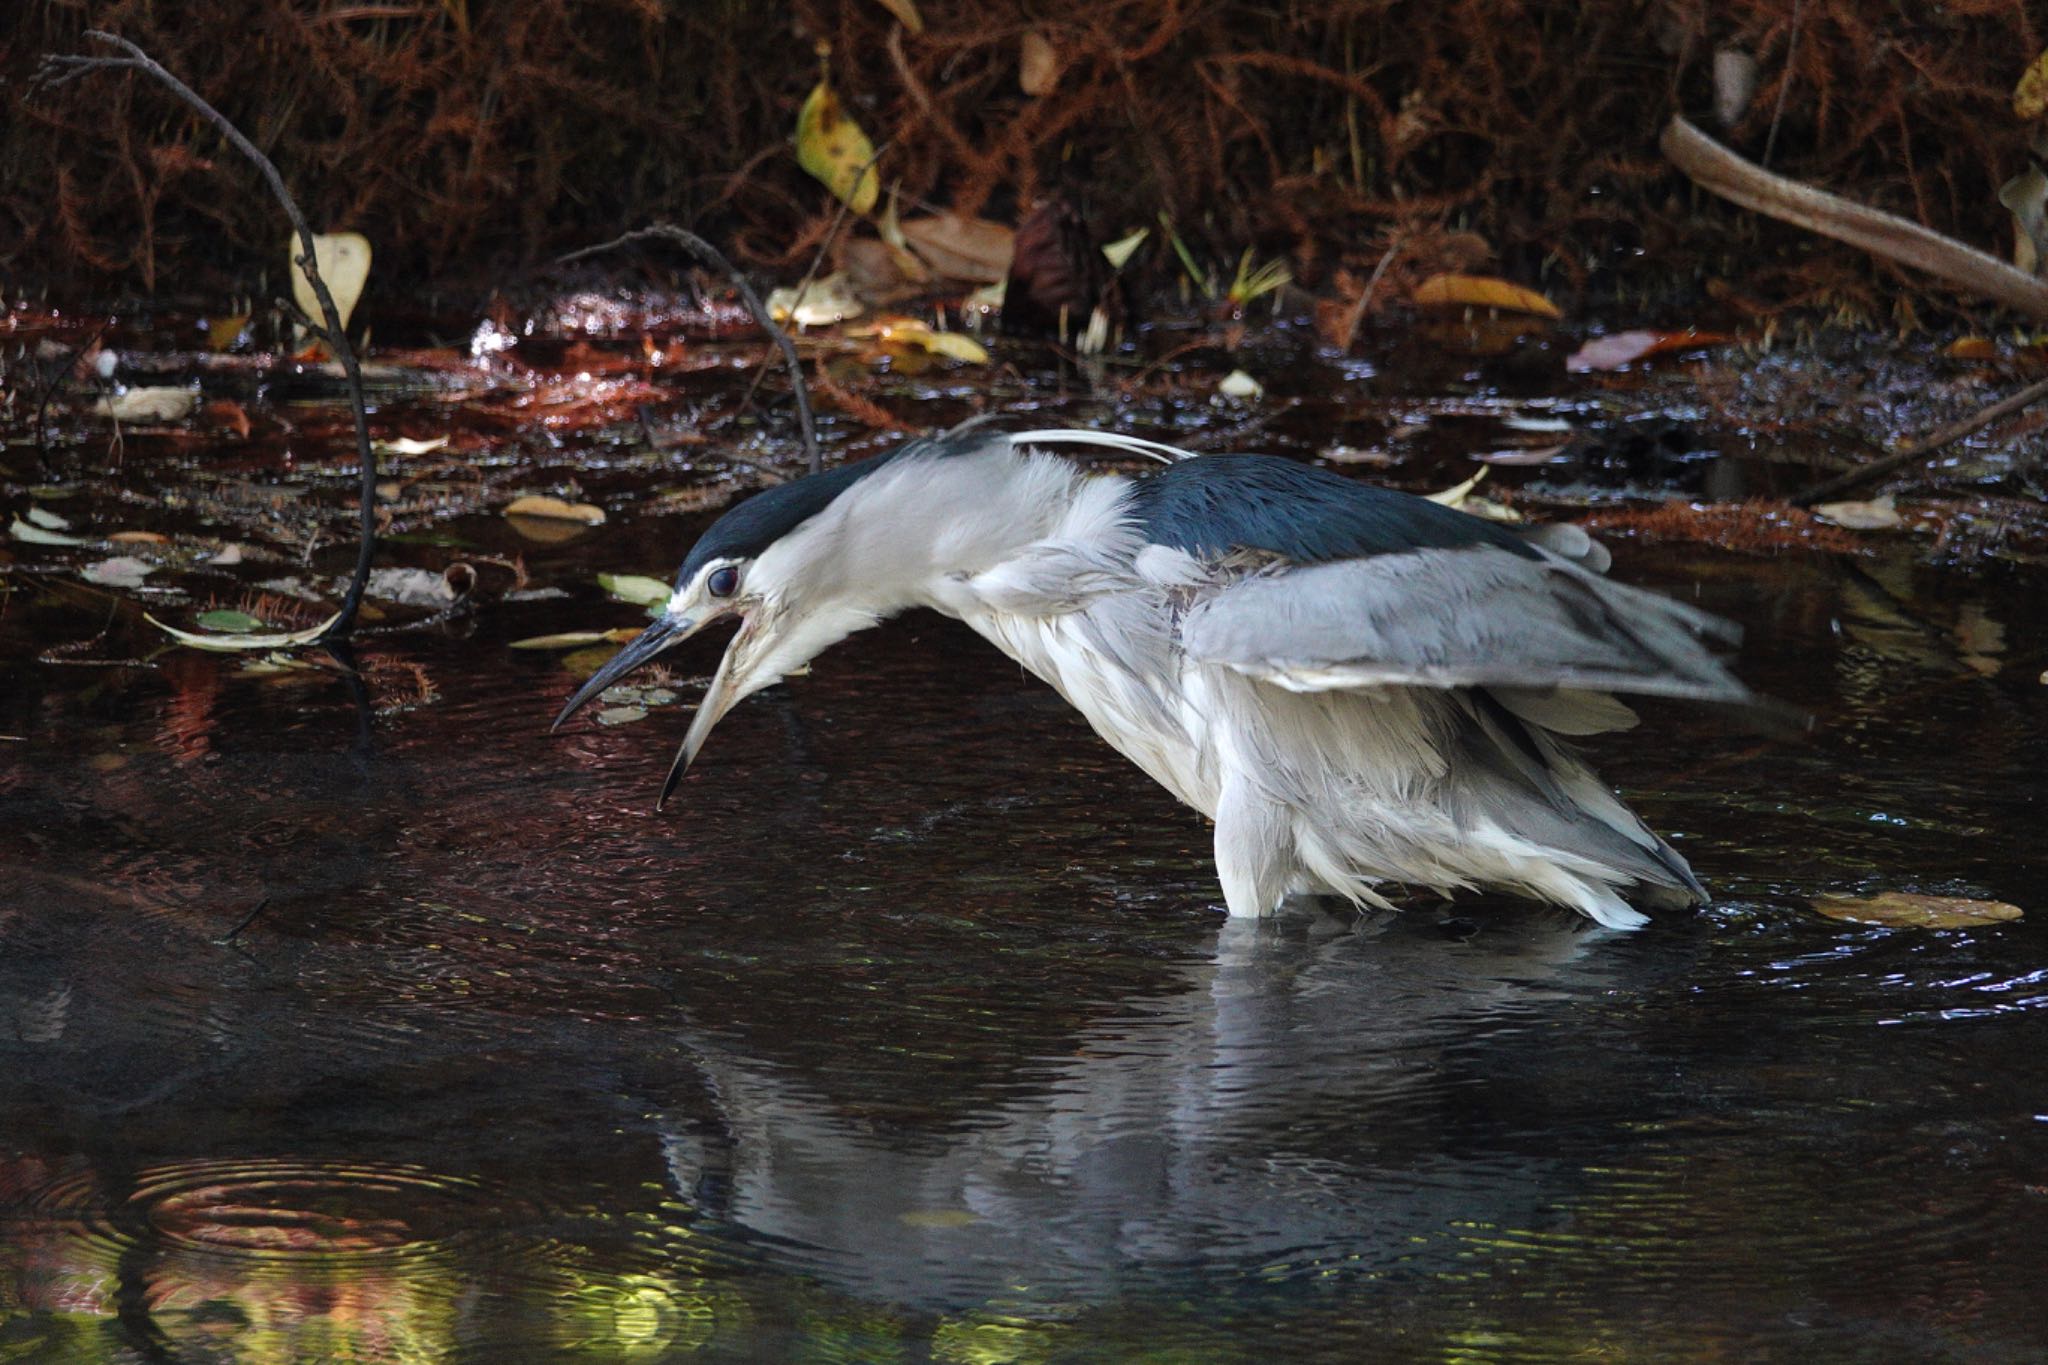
(240, 622)
(636, 588)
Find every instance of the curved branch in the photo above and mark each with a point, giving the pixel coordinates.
(1713, 167)
(711, 256)
(59, 68)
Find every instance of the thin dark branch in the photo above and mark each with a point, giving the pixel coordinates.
(711, 256)
(57, 69)
(803, 286)
(1784, 83)
(1925, 446)
(244, 922)
(49, 388)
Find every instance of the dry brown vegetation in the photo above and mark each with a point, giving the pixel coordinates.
(466, 136)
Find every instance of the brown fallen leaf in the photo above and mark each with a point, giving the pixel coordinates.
(962, 248)
(1482, 291)
(1910, 910)
(227, 414)
(1617, 349)
(139, 538)
(1971, 348)
(555, 509)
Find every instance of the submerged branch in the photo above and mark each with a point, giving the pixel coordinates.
(1925, 446)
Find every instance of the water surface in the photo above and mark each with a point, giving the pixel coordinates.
(913, 1030)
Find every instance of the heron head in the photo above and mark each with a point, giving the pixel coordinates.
(778, 565)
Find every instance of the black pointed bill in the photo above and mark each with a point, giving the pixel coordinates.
(666, 631)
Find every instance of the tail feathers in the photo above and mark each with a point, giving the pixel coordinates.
(1588, 845)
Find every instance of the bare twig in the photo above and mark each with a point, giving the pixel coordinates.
(803, 286)
(1372, 285)
(59, 68)
(1925, 446)
(711, 256)
(43, 398)
(1714, 167)
(244, 922)
(1784, 81)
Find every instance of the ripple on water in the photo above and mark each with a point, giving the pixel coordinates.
(283, 1213)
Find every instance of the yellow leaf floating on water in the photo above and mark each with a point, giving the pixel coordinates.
(911, 332)
(2030, 97)
(833, 148)
(1910, 910)
(555, 509)
(576, 639)
(939, 1218)
(1482, 291)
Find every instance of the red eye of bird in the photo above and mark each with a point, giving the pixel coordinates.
(724, 581)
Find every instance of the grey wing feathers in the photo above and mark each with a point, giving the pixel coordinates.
(1542, 630)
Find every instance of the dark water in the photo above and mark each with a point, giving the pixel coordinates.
(913, 1030)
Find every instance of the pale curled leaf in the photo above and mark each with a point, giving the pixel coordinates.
(122, 571)
(1460, 496)
(1241, 386)
(237, 642)
(1119, 252)
(48, 520)
(825, 301)
(406, 445)
(151, 404)
(1482, 291)
(36, 535)
(1910, 910)
(1878, 514)
(555, 509)
(343, 260)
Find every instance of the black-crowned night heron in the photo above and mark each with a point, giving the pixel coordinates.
(1359, 687)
